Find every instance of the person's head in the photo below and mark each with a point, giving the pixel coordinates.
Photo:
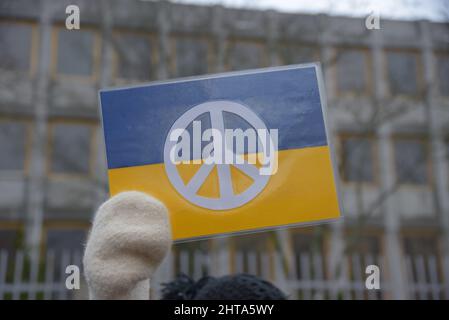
(232, 287)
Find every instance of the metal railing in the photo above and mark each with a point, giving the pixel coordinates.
(307, 275)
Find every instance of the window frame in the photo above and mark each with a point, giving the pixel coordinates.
(374, 156)
(34, 46)
(422, 139)
(196, 37)
(92, 149)
(368, 71)
(96, 56)
(446, 154)
(27, 145)
(437, 55)
(419, 74)
(151, 38)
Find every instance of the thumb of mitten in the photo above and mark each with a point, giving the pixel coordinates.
(130, 237)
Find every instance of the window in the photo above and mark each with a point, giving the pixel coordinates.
(252, 254)
(443, 73)
(358, 159)
(403, 72)
(423, 265)
(191, 57)
(13, 143)
(366, 245)
(411, 161)
(420, 245)
(308, 260)
(352, 71)
(71, 148)
(292, 54)
(307, 240)
(70, 240)
(245, 55)
(135, 56)
(308, 253)
(446, 152)
(363, 250)
(16, 44)
(191, 258)
(66, 244)
(75, 52)
(9, 240)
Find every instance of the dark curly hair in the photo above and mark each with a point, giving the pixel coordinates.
(232, 287)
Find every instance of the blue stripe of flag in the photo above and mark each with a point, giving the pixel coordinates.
(136, 120)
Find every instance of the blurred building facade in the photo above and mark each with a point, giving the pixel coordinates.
(388, 107)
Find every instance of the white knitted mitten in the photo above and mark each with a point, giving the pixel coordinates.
(130, 237)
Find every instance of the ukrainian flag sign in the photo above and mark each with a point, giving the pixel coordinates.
(225, 153)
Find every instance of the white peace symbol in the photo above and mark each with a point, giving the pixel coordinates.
(227, 200)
